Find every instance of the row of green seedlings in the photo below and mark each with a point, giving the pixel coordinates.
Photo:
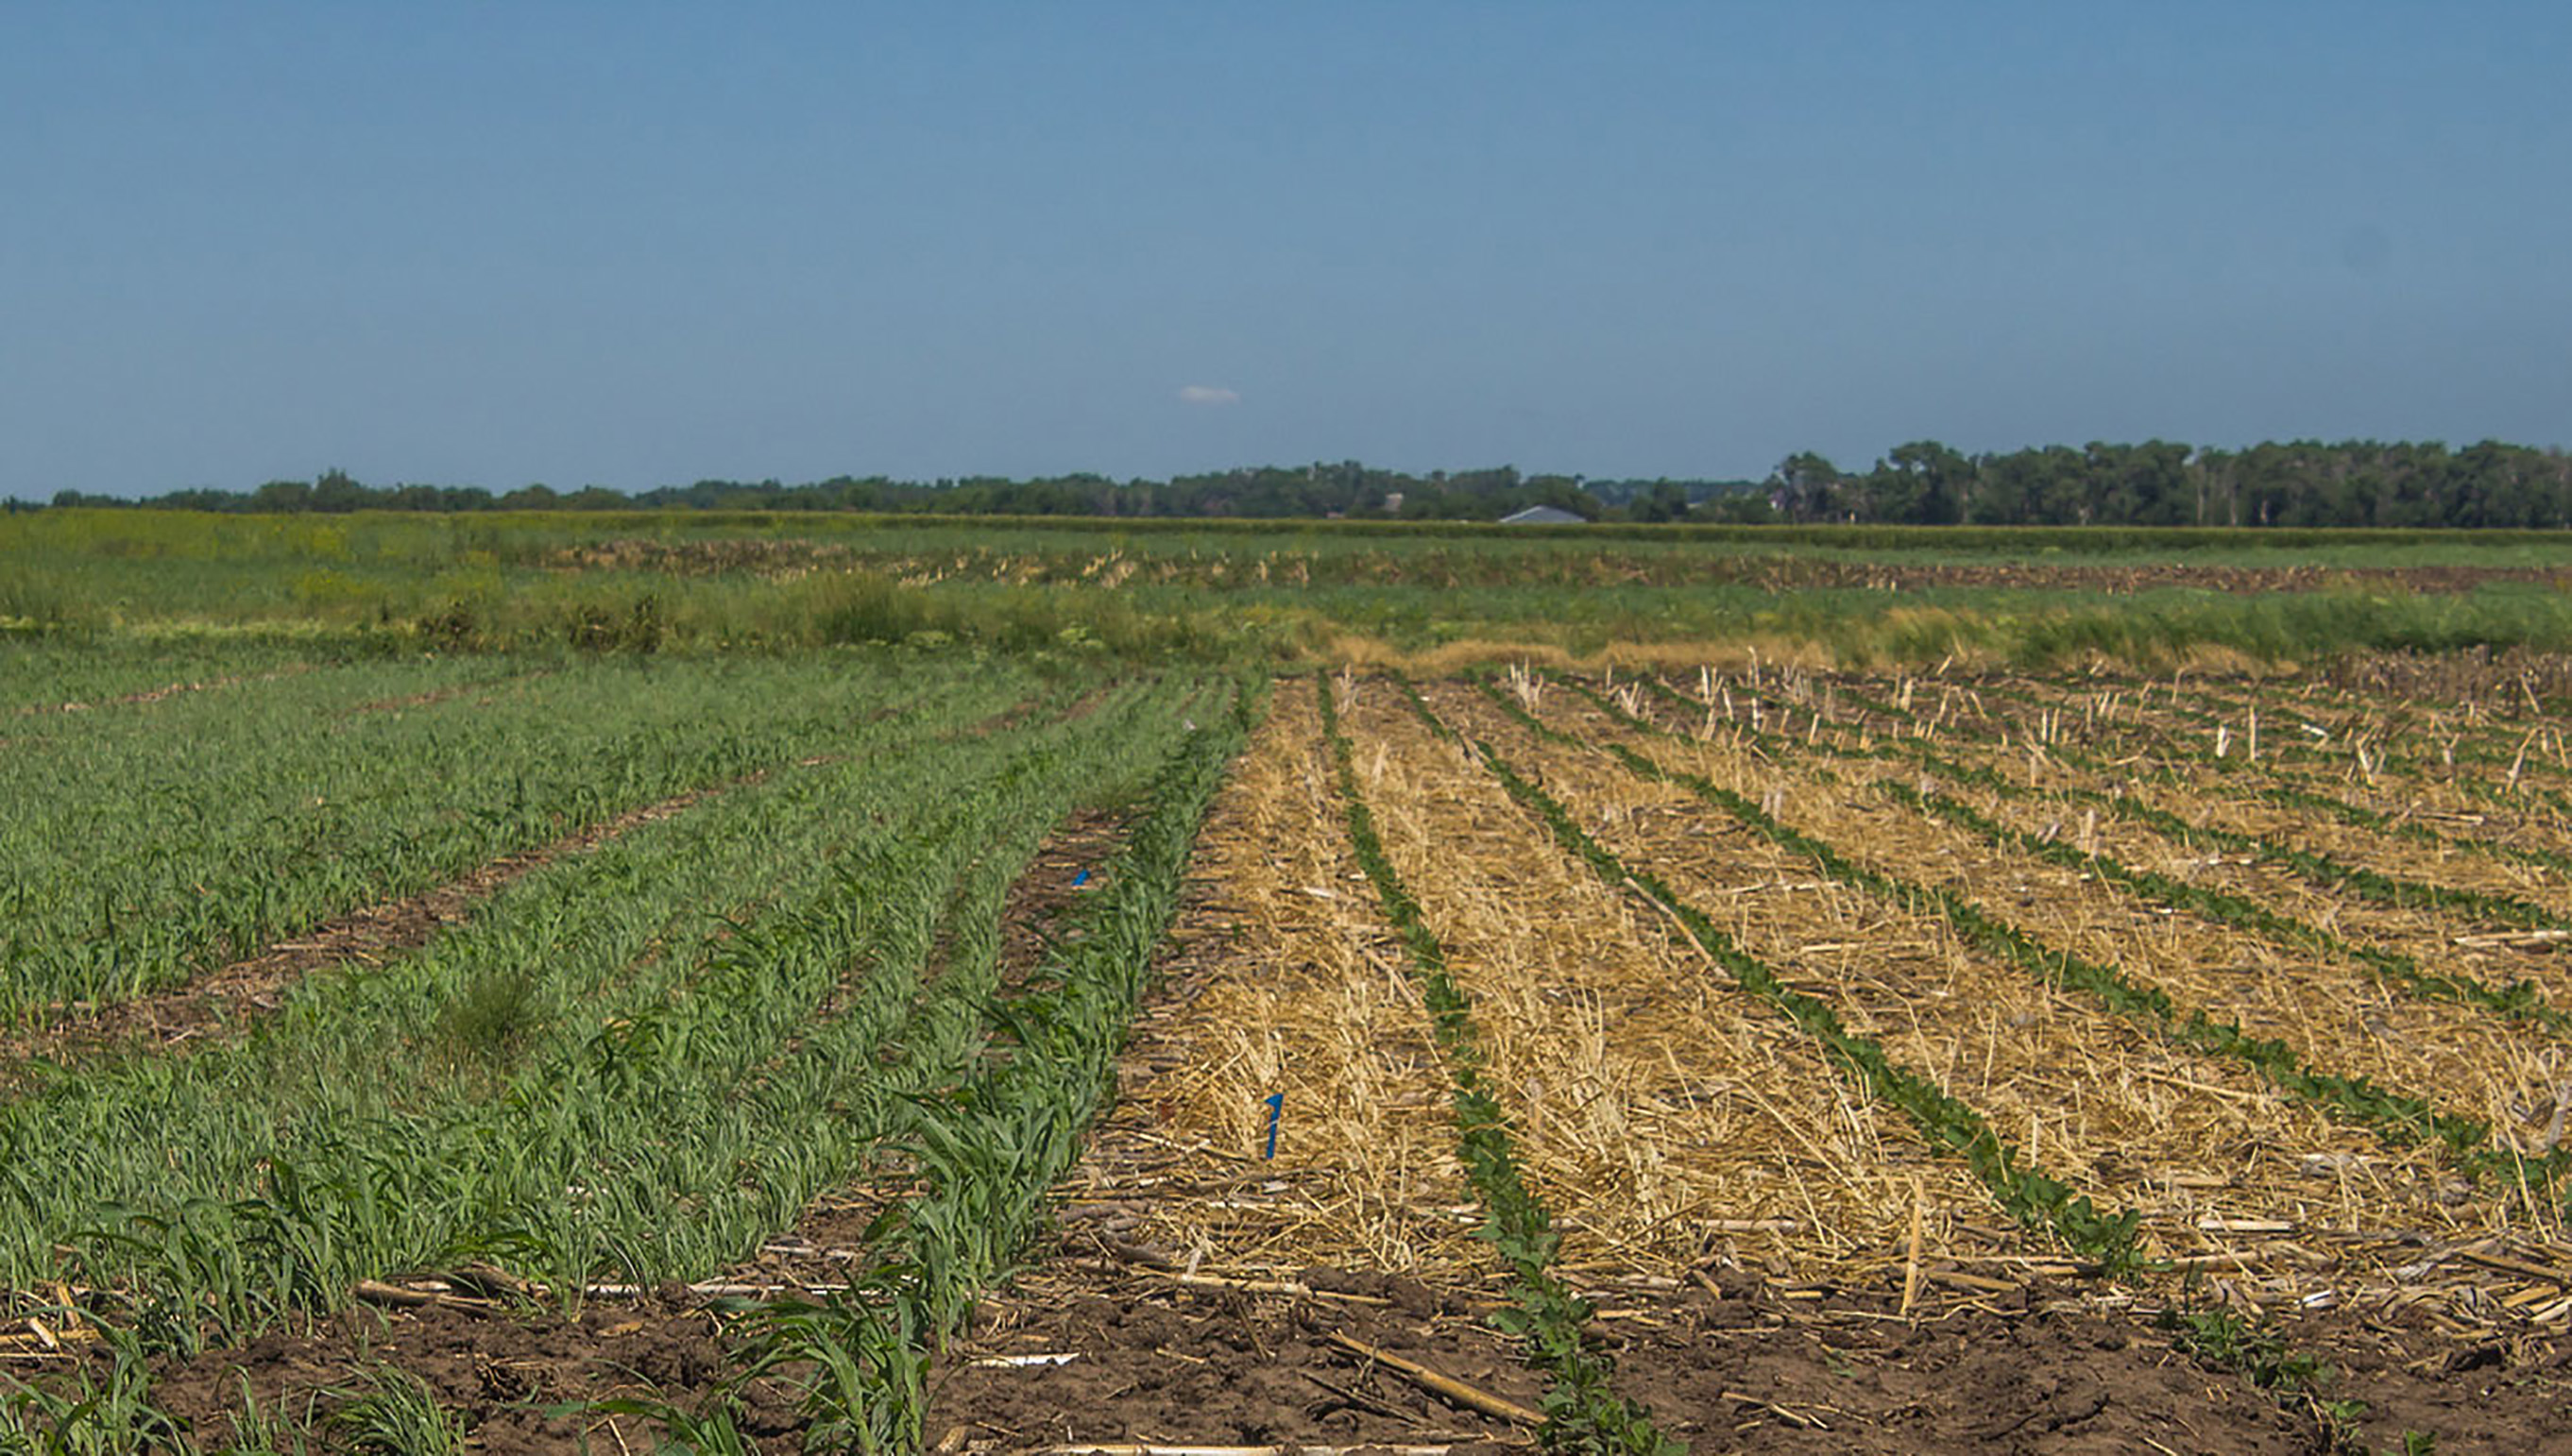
(296, 1119)
(2271, 784)
(152, 857)
(664, 1137)
(1582, 1411)
(177, 814)
(2320, 869)
(2397, 1118)
(984, 1150)
(2511, 790)
(2034, 1198)
(227, 1265)
(2286, 788)
(2229, 707)
(2518, 1001)
(2031, 1196)
(577, 998)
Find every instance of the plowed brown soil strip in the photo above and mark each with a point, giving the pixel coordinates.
(429, 699)
(161, 694)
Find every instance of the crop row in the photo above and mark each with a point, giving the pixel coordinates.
(2221, 745)
(137, 858)
(1018, 1074)
(543, 1087)
(1947, 1120)
(2328, 876)
(2027, 1192)
(2486, 1059)
(1581, 1412)
(598, 1078)
(2398, 1117)
(50, 684)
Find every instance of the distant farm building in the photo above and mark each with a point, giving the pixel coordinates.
(1543, 516)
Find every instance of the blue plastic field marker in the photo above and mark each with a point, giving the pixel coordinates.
(1276, 1108)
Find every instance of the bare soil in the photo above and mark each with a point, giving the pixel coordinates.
(489, 689)
(1154, 1360)
(1736, 1365)
(1741, 1367)
(161, 694)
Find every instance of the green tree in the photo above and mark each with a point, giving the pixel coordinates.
(1936, 483)
(1808, 487)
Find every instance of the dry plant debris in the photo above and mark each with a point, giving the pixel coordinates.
(1284, 981)
(1669, 1121)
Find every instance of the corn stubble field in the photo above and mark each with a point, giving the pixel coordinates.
(890, 1049)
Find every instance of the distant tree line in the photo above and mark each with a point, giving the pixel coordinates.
(1282, 492)
(2303, 483)
(2158, 483)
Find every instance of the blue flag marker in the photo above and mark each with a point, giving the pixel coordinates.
(1080, 879)
(1276, 1107)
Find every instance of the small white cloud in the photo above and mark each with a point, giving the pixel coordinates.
(1208, 394)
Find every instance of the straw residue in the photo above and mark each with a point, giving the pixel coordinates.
(2202, 1146)
(1665, 1118)
(1285, 983)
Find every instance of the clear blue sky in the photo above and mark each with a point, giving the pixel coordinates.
(637, 244)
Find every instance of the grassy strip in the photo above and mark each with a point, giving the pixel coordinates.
(988, 1152)
(1581, 1412)
(352, 1135)
(2398, 1118)
(2519, 1001)
(2034, 1198)
(135, 858)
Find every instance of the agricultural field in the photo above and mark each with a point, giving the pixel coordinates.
(564, 1016)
